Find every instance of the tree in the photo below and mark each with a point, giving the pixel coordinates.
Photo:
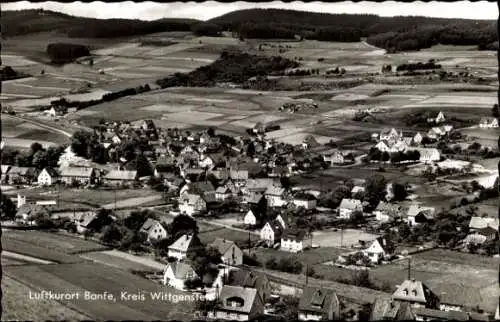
(136, 219)
(112, 234)
(494, 111)
(143, 166)
(375, 190)
(80, 142)
(7, 208)
(40, 159)
(181, 225)
(399, 191)
(35, 147)
(362, 279)
(53, 155)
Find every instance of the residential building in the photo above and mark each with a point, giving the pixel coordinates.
(456, 296)
(4, 170)
(231, 254)
(223, 193)
(425, 314)
(206, 162)
(191, 204)
(427, 155)
(177, 273)
(390, 135)
(417, 294)
(47, 177)
(154, 230)
(271, 233)
(282, 218)
(85, 221)
(295, 241)
(238, 176)
(356, 190)
(183, 246)
(488, 123)
(380, 249)
(386, 212)
(80, 175)
(239, 304)
(348, 207)
(385, 309)
(250, 279)
(250, 218)
(119, 177)
(417, 215)
(27, 214)
(275, 196)
(478, 223)
(318, 304)
(21, 175)
(204, 189)
(383, 146)
(306, 201)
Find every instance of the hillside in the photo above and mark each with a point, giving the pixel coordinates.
(24, 22)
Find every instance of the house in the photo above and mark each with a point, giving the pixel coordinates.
(81, 175)
(239, 304)
(165, 165)
(275, 196)
(21, 175)
(231, 254)
(85, 221)
(183, 246)
(318, 304)
(306, 201)
(427, 154)
(295, 241)
(390, 135)
(477, 223)
(148, 125)
(435, 133)
(28, 213)
(154, 230)
(386, 212)
(204, 189)
(47, 177)
(488, 122)
(250, 218)
(384, 309)
(425, 314)
(238, 176)
(271, 233)
(4, 170)
(118, 177)
(223, 193)
(177, 273)
(56, 111)
(206, 162)
(191, 204)
(383, 146)
(438, 119)
(417, 138)
(417, 215)
(357, 190)
(380, 249)
(417, 294)
(250, 279)
(348, 207)
(337, 157)
(457, 296)
(310, 142)
(282, 218)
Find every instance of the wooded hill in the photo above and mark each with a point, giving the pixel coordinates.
(391, 33)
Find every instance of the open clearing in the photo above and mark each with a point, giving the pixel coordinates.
(125, 261)
(346, 238)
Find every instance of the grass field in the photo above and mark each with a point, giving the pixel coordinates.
(208, 237)
(97, 278)
(37, 251)
(16, 305)
(124, 262)
(308, 257)
(53, 241)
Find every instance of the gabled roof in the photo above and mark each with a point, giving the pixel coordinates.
(82, 172)
(441, 315)
(181, 270)
(456, 293)
(185, 242)
(245, 296)
(31, 210)
(22, 171)
(386, 244)
(201, 187)
(223, 189)
(297, 236)
(412, 291)
(238, 174)
(275, 226)
(480, 223)
(253, 198)
(165, 161)
(51, 171)
(317, 300)
(121, 175)
(387, 207)
(190, 198)
(415, 209)
(5, 168)
(387, 309)
(304, 196)
(350, 204)
(259, 184)
(150, 223)
(275, 190)
(246, 278)
(222, 245)
(86, 218)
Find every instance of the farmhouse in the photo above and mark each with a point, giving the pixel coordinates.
(204, 189)
(390, 135)
(48, 177)
(239, 303)
(80, 175)
(438, 119)
(386, 212)
(383, 146)
(427, 154)
(28, 213)
(85, 221)
(318, 304)
(154, 230)
(417, 215)
(191, 204)
(183, 246)
(424, 314)
(21, 175)
(250, 279)
(306, 201)
(177, 273)
(388, 310)
(250, 218)
(296, 241)
(417, 294)
(223, 193)
(348, 207)
(275, 196)
(231, 254)
(271, 233)
(119, 177)
(380, 249)
(488, 123)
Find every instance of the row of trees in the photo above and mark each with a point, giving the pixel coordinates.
(418, 66)
(37, 156)
(394, 157)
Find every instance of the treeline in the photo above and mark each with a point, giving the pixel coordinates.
(230, 67)
(418, 66)
(60, 53)
(8, 73)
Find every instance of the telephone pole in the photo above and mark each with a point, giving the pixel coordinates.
(409, 268)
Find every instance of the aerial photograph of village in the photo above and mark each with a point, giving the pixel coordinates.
(245, 161)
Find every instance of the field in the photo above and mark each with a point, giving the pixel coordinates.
(17, 307)
(124, 261)
(341, 239)
(309, 257)
(30, 248)
(209, 236)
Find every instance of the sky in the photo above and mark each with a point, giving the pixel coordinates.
(210, 9)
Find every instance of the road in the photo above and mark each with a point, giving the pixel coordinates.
(37, 123)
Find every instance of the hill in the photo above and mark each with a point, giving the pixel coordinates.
(24, 22)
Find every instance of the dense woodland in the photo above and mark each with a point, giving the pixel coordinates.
(391, 33)
(63, 53)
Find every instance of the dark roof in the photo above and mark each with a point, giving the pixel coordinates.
(246, 278)
(444, 315)
(222, 245)
(318, 300)
(201, 187)
(386, 309)
(244, 296)
(298, 235)
(386, 244)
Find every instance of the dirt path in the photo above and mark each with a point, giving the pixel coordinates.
(37, 123)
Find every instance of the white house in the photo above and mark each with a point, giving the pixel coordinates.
(84, 221)
(391, 135)
(271, 233)
(295, 242)
(154, 230)
(275, 196)
(488, 123)
(438, 119)
(416, 293)
(305, 201)
(417, 214)
(223, 193)
(239, 303)
(206, 162)
(348, 207)
(383, 146)
(427, 154)
(250, 218)
(183, 246)
(191, 204)
(47, 177)
(380, 249)
(177, 273)
(417, 139)
(231, 254)
(386, 212)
